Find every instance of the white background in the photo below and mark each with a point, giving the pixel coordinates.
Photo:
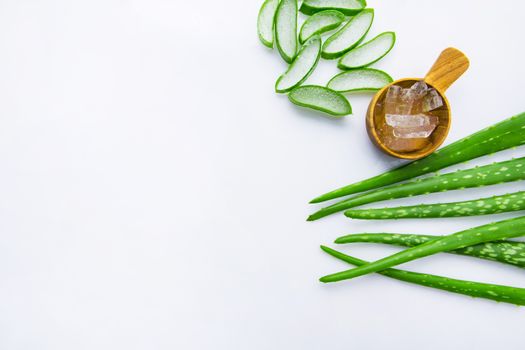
(154, 188)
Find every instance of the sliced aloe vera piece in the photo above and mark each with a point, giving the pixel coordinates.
(265, 22)
(321, 99)
(349, 36)
(321, 22)
(366, 79)
(369, 52)
(301, 68)
(286, 29)
(348, 7)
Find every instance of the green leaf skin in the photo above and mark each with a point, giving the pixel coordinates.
(349, 36)
(265, 22)
(353, 7)
(503, 294)
(384, 41)
(359, 80)
(286, 29)
(301, 68)
(492, 174)
(483, 206)
(321, 99)
(506, 252)
(319, 23)
(501, 136)
(500, 230)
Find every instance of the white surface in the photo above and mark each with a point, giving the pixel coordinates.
(153, 187)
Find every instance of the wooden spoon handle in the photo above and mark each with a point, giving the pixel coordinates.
(450, 65)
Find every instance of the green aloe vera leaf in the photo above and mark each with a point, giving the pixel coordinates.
(321, 99)
(349, 36)
(492, 174)
(507, 252)
(369, 52)
(499, 293)
(265, 22)
(483, 206)
(496, 231)
(319, 23)
(286, 29)
(501, 136)
(301, 68)
(347, 7)
(365, 79)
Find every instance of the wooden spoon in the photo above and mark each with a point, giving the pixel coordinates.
(449, 66)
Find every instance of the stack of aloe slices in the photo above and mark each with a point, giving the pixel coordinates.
(486, 242)
(278, 26)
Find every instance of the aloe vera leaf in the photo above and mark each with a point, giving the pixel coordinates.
(349, 36)
(366, 79)
(347, 7)
(368, 53)
(483, 206)
(496, 231)
(319, 23)
(321, 99)
(301, 68)
(499, 293)
(492, 174)
(265, 22)
(507, 252)
(501, 136)
(286, 29)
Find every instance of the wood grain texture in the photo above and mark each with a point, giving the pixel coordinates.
(449, 66)
(376, 117)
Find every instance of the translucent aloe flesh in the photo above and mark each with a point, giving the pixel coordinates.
(319, 23)
(507, 252)
(501, 136)
(348, 7)
(499, 293)
(265, 22)
(286, 29)
(321, 99)
(501, 230)
(492, 174)
(365, 79)
(368, 53)
(482, 206)
(349, 36)
(302, 66)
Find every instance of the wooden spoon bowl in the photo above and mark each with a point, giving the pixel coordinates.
(450, 65)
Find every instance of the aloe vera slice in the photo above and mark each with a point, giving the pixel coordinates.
(301, 68)
(321, 99)
(286, 29)
(265, 22)
(365, 79)
(368, 53)
(349, 36)
(321, 22)
(348, 7)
